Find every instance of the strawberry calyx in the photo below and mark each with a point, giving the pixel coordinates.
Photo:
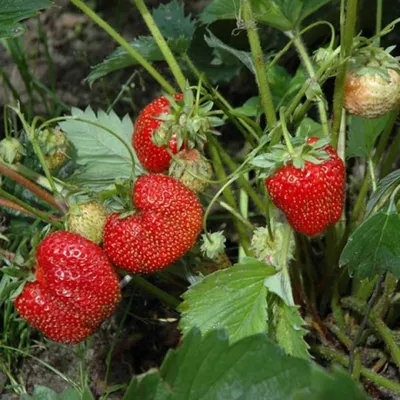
(374, 61)
(187, 121)
(191, 168)
(11, 150)
(55, 147)
(213, 244)
(312, 150)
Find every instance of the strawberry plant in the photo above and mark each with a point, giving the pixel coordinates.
(243, 220)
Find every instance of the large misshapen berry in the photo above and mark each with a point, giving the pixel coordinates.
(165, 226)
(75, 285)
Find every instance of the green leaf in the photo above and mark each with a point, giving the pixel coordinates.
(308, 128)
(172, 22)
(333, 386)
(362, 135)
(287, 329)
(44, 393)
(383, 192)
(284, 15)
(14, 11)
(148, 386)
(233, 298)
(250, 108)
(104, 157)
(145, 46)
(70, 394)
(178, 35)
(243, 56)
(211, 368)
(374, 247)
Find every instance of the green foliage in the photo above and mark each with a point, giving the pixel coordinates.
(14, 11)
(104, 157)
(253, 368)
(178, 35)
(374, 247)
(45, 393)
(287, 329)
(284, 15)
(362, 135)
(383, 190)
(233, 298)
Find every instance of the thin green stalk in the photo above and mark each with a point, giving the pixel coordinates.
(364, 322)
(284, 263)
(285, 131)
(343, 360)
(347, 34)
(154, 290)
(123, 43)
(336, 309)
(258, 57)
(391, 156)
(377, 323)
(40, 214)
(371, 171)
(393, 152)
(225, 157)
(244, 210)
(244, 128)
(378, 24)
(162, 44)
(8, 83)
(383, 304)
(229, 196)
(32, 187)
(305, 58)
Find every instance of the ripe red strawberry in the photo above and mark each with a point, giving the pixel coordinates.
(74, 282)
(56, 322)
(151, 156)
(311, 197)
(165, 226)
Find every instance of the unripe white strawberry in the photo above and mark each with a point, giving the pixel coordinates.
(88, 220)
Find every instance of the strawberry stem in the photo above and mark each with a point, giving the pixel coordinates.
(162, 44)
(338, 357)
(165, 297)
(379, 9)
(305, 58)
(347, 33)
(32, 187)
(40, 214)
(258, 57)
(124, 44)
(285, 132)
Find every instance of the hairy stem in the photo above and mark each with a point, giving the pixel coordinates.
(162, 44)
(258, 57)
(347, 34)
(340, 358)
(32, 187)
(305, 58)
(377, 324)
(363, 324)
(123, 43)
(40, 214)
